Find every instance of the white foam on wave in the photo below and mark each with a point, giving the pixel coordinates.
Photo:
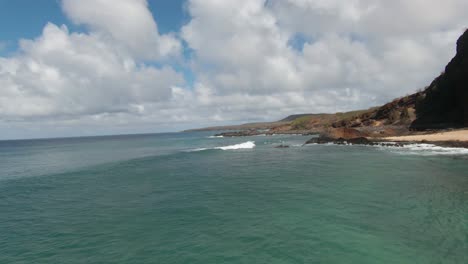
(245, 145)
(427, 150)
(196, 150)
(215, 136)
(410, 149)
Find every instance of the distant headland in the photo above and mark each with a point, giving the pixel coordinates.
(438, 114)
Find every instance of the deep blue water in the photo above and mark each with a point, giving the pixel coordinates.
(180, 198)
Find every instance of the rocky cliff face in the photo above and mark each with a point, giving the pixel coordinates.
(399, 112)
(445, 102)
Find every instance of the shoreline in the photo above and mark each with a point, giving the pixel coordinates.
(455, 138)
(452, 138)
(440, 136)
(445, 144)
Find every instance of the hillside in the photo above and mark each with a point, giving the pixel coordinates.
(247, 126)
(294, 117)
(300, 123)
(441, 105)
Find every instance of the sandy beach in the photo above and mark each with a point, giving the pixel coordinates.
(457, 135)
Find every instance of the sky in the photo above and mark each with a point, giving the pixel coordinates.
(97, 67)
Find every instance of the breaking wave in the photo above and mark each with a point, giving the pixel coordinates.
(245, 145)
(411, 149)
(428, 150)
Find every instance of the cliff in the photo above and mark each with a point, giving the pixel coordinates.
(444, 103)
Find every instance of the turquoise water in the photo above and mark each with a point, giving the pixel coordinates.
(177, 198)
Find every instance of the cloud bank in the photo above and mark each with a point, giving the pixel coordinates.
(252, 60)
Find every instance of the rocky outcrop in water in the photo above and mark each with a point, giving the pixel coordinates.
(353, 141)
(344, 132)
(344, 136)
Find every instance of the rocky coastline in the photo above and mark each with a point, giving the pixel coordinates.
(350, 136)
(437, 114)
(383, 143)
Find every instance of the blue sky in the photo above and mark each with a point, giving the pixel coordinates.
(28, 23)
(109, 70)
(26, 18)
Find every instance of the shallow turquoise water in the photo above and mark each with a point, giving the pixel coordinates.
(161, 199)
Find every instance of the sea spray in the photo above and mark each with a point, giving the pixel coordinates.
(244, 145)
(422, 149)
(427, 150)
(216, 137)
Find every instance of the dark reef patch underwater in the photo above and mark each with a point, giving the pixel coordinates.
(189, 198)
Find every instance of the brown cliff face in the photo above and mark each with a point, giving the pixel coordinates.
(344, 133)
(399, 112)
(444, 103)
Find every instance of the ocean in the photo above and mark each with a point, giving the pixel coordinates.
(194, 198)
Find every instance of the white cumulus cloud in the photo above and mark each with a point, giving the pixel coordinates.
(252, 60)
(63, 74)
(342, 59)
(128, 22)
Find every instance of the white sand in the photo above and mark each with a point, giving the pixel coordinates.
(457, 135)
